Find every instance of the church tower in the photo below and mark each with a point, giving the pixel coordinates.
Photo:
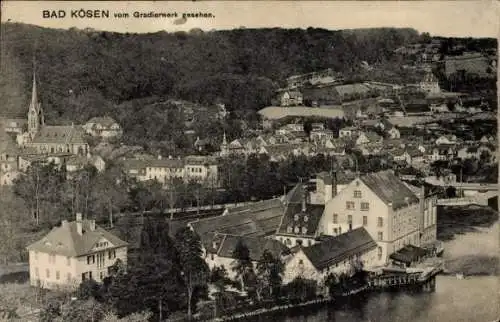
(35, 112)
(223, 146)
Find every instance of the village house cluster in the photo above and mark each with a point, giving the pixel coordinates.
(320, 226)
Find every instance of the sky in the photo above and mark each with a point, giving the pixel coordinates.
(440, 18)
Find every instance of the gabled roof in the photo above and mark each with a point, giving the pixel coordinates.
(66, 241)
(301, 223)
(255, 245)
(259, 219)
(104, 121)
(390, 189)
(336, 249)
(60, 134)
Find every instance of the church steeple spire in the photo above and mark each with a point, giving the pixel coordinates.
(34, 97)
(224, 140)
(35, 112)
(223, 146)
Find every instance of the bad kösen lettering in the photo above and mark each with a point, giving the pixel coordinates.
(79, 13)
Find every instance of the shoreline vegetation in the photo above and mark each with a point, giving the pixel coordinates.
(452, 222)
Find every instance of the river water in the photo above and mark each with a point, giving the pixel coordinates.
(474, 298)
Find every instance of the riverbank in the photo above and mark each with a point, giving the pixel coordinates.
(458, 220)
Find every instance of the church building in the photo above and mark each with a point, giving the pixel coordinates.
(50, 139)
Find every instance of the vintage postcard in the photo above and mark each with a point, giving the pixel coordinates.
(249, 161)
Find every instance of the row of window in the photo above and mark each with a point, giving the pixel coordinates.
(380, 220)
(91, 259)
(52, 258)
(350, 205)
(47, 274)
(298, 242)
(296, 230)
(164, 169)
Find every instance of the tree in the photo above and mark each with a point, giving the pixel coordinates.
(269, 272)
(154, 282)
(219, 277)
(40, 187)
(134, 317)
(451, 192)
(242, 264)
(195, 271)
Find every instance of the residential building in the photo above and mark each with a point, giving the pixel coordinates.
(200, 145)
(348, 132)
(382, 204)
(300, 219)
(74, 252)
(191, 168)
(218, 250)
(76, 162)
(291, 98)
(14, 125)
(368, 137)
(201, 169)
(430, 84)
(104, 127)
(321, 134)
(334, 255)
(446, 139)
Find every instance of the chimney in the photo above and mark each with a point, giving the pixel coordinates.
(159, 156)
(92, 225)
(334, 184)
(170, 157)
(304, 198)
(79, 227)
(64, 224)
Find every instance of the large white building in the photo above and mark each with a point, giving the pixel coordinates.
(74, 252)
(388, 209)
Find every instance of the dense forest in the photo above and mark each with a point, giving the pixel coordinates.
(82, 73)
(86, 73)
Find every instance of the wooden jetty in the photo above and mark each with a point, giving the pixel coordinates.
(424, 278)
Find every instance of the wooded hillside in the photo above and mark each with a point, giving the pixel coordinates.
(85, 72)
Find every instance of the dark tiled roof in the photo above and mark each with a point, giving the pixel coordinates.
(339, 248)
(256, 220)
(301, 223)
(65, 240)
(256, 246)
(390, 189)
(60, 134)
(408, 254)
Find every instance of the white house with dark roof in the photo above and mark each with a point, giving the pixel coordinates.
(218, 250)
(291, 98)
(104, 127)
(74, 252)
(382, 204)
(335, 254)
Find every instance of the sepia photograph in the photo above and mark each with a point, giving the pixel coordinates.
(286, 161)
